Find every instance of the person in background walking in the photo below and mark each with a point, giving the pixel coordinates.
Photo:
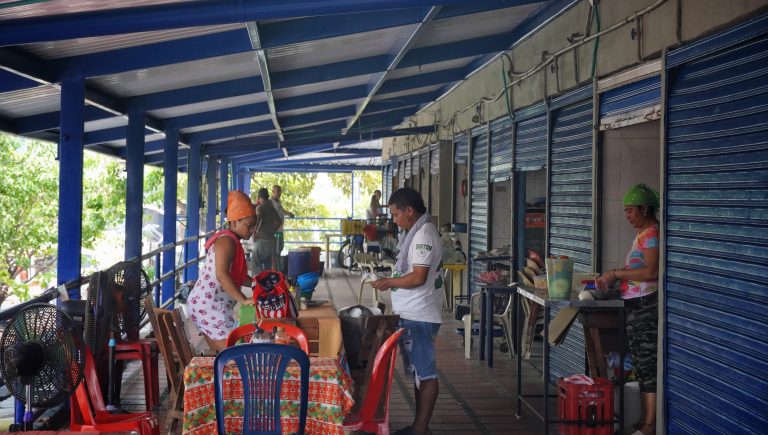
(277, 191)
(267, 223)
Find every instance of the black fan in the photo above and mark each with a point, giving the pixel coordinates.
(99, 310)
(129, 285)
(41, 357)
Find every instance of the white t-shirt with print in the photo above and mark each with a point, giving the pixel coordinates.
(423, 303)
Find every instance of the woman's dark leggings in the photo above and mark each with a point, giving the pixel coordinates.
(642, 334)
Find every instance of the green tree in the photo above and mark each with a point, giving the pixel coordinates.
(366, 182)
(29, 182)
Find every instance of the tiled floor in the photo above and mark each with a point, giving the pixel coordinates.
(473, 399)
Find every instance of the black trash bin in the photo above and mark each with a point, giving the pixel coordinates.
(352, 331)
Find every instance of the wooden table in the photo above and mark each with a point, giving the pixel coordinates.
(330, 397)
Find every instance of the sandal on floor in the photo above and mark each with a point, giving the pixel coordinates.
(640, 426)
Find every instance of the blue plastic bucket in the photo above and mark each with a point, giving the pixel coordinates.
(299, 262)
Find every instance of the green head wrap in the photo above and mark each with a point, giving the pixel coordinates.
(642, 195)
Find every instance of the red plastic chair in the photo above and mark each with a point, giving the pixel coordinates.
(245, 332)
(144, 350)
(88, 412)
(379, 389)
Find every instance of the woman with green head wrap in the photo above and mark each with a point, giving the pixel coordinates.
(638, 284)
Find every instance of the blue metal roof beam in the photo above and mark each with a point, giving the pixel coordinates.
(317, 159)
(258, 167)
(326, 153)
(185, 14)
(196, 94)
(267, 126)
(261, 57)
(378, 134)
(401, 52)
(37, 69)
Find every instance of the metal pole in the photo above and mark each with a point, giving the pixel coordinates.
(224, 184)
(134, 186)
(210, 203)
(170, 172)
(70, 182)
(353, 196)
(193, 208)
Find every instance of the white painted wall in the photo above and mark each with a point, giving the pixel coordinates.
(630, 156)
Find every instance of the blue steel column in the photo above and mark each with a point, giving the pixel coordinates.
(193, 207)
(134, 185)
(210, 215)
(247, 182)
(353, 196)
(70, 183)
(236, 180)
(70, 194)
(170, 173)
(224, 183)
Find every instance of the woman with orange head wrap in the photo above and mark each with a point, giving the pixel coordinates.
(217, 290)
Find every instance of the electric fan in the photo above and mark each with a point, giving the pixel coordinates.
(41, 357)
(98, 313)
(129, 285)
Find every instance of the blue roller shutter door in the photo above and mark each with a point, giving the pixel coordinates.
(461, 149)
(569, 217)
(570, 179)
(501, 149)
(478, 216)
(716, 234)
(531, 138)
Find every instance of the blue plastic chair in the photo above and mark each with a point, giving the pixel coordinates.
(262, 367)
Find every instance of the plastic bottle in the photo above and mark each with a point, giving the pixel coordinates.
(260, 336)
(280, 336)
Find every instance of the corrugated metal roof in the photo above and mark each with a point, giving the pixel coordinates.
(56, 7)
(195, 68)
(333, 50)
(430, 67)
(180, 75)
(414, 91)
(77, 47)
(32, 101)
(239, 121)
(209, 105)
(319, 107)
(102, 124)
(465, 27)
(317, 87)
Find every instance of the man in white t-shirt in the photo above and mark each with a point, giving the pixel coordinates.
(417, 296)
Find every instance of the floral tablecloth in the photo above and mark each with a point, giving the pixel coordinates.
(330, 397)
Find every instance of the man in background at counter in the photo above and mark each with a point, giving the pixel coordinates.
(277, 191)
(417, 296)
(267, 223)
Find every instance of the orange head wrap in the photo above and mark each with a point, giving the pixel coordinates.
(238, 206)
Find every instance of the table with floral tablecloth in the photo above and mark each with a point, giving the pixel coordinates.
(330, 397)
